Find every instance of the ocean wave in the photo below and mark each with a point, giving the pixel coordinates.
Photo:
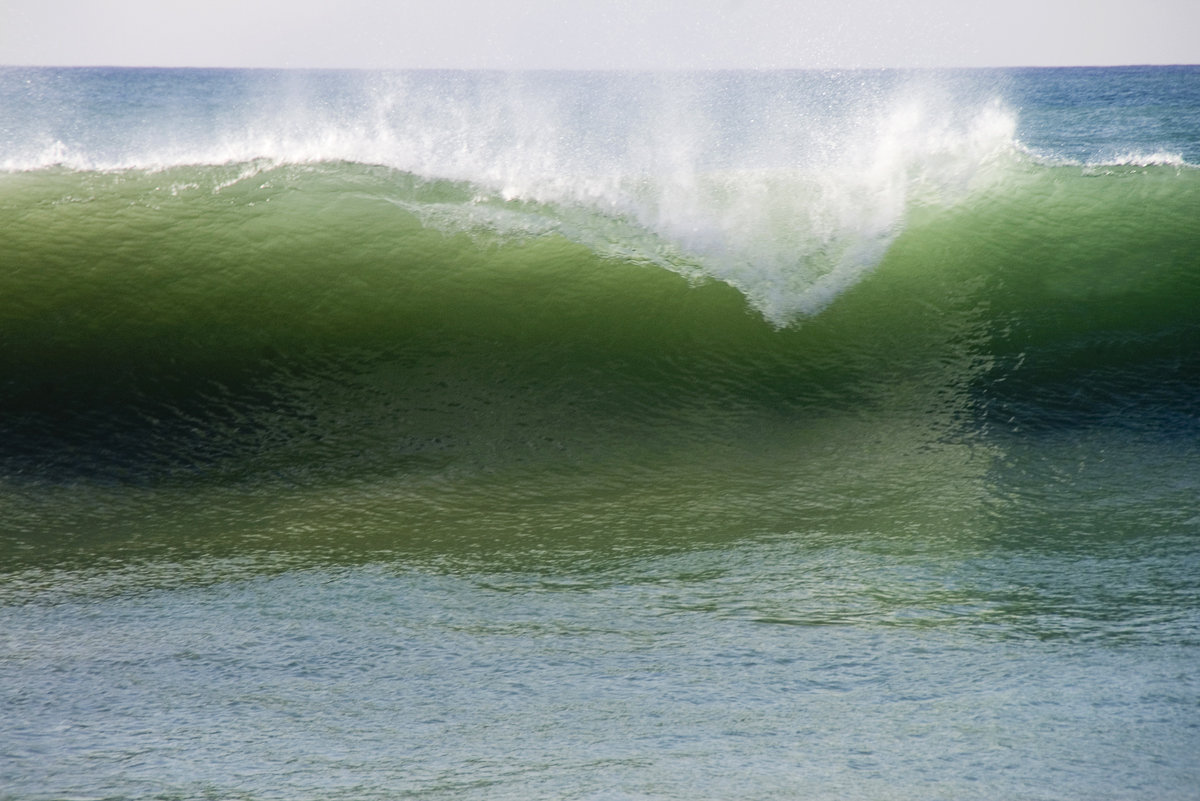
(413, 272)
(248, 318)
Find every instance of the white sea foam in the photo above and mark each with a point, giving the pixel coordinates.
(788, 189)
(1158, 158)
(791, 214)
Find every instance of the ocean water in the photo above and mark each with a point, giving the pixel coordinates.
(441, 435)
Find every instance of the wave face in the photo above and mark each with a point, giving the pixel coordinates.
(266, 318)
(221, 275)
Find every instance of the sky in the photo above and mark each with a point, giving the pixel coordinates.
(598, 34)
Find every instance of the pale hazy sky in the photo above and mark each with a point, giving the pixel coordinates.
(598, 34)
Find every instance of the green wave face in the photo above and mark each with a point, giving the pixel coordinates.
(204, 300)
(355, 351)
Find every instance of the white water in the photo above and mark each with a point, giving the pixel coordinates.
(789, 190)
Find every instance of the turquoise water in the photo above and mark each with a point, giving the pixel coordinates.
(464, 435)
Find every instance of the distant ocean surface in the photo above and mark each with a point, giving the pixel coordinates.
(471, 435)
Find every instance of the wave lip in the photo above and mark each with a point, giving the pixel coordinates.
(789, 186)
